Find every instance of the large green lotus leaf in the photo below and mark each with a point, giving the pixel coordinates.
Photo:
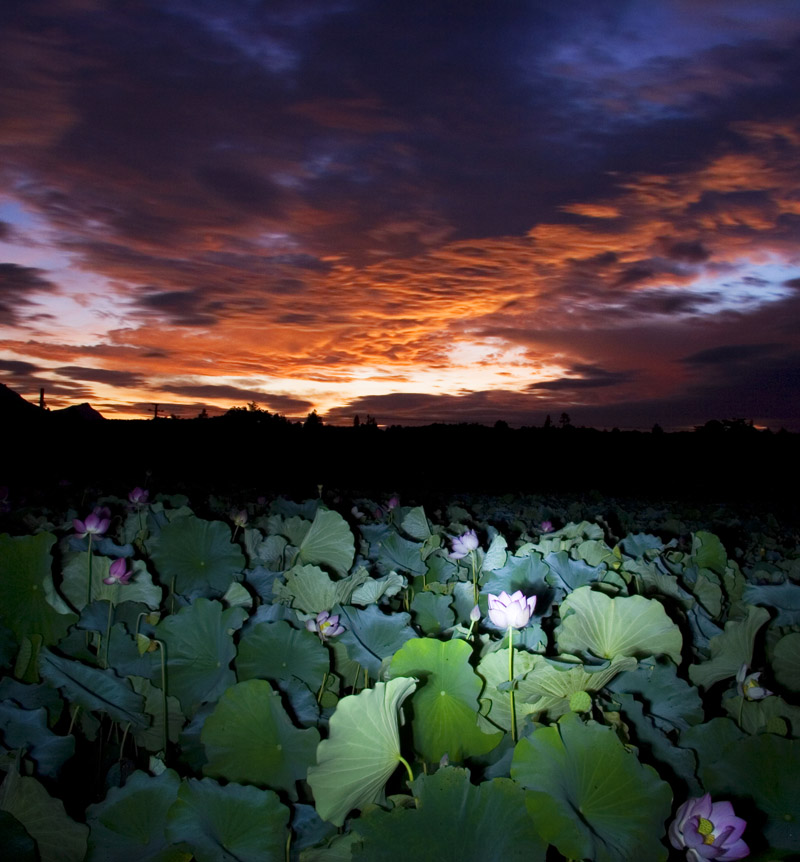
(709, 552)
(493, 668)
(730, 650)
(567, 575)
(329, 542)
(58, 837)
(229, 824)
(26, 585)
(32, 697)
(625, 625)
(199, 649)
(772, 714)
(93, 688)
(198, 556)
(548, 686)
(371, 635)
(709, 593)
(394, 553)
(669, 700)
(660, 747)
(589, 796)
(432, 613)
(526, 573)
(785, 598)
(445, 704)
(371, 590)
(361, 752)
(140, 588)
(27, 729)
(453, 819)
(308, 589)
(416, 525)
(786, 661)
(129, 824)
(762, 768)
(250, 739)
(275, 650)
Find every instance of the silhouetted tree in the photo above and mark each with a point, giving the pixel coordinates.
(564, 421)
(313, 421)
(548, 423)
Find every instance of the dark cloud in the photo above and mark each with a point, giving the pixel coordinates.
(17, 367)
(686, 252)
(5, 230)
(590, 377)
(730, 354)
(178, 308)
(284, 404)
(17, 283)
(123, 379)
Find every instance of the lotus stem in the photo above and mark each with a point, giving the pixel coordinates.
(511, 681)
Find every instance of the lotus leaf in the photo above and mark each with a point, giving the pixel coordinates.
(198, 557)
(276, 651)
(128, 825)
(371, 635)
(416, 525)
(329, 542)
(58, 838)
(27, 729)
(445, 705)
(762, 768)
(26, 583)
(730, 650)
(199, 641)
(250, 739)
(140, 588)
(432, 613)
(491, 823)
(575, 767)
(93, 688)
(608, 627)
(362, 751)
(221, 824)
(786, 661)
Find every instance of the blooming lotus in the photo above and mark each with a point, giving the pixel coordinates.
(462, 545)
(239, 517)
(546, 526)
(138, 496)
(748, 686)
(95, 523)
(708, 830)
(325, 625)
(118, 572)
(511, 611)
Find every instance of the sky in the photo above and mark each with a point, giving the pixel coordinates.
(421, 210)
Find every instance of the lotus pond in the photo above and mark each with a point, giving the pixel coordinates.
(332, 680)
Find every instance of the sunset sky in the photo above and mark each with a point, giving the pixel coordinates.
(424, 210)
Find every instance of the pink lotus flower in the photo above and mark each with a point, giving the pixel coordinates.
(708, 830)
(239, 517)
(325, 625)
(95, 523)
(511, 611)
(463, 544)
(138, 496)
(118, 572)
(546, 526)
